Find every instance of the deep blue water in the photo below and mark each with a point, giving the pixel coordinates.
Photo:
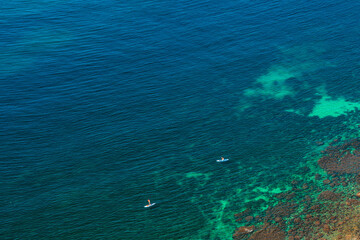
(107, 104)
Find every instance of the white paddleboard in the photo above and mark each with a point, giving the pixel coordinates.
(149, 205)
(222, 160)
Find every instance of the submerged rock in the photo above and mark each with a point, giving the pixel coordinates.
(271, 232)
(329, 195)
(242, 231)
(341, 158)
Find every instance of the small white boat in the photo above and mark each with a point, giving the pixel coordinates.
(149, 205)
(222, 160)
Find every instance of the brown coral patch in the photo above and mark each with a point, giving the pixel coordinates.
(341, 158)
(352, 202)
(240, 215)
(326, 181)
(357, 178)
(269, 232)
(329, 195)
(281, 210)
(241, 232)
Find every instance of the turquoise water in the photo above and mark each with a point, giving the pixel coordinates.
(106, 104)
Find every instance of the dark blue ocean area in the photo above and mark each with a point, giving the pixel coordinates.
(106, 104)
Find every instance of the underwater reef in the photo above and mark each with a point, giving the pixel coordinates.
(318, 206)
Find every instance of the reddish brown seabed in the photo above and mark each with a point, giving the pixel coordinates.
(321, 209)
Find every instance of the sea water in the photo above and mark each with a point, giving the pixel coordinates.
(106, 104)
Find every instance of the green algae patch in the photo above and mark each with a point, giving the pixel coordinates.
(205, 176)
(243, 105)
(298, 112)
(219, 226)
(195, 177)
(294, 63)
(272, 190)
(329, 107)
(273, 84)
(257, 198)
